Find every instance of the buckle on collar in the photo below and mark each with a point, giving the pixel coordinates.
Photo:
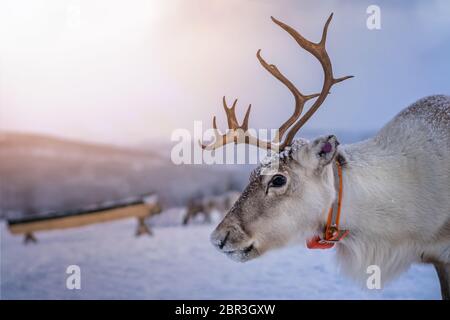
(334, 234)
(318, 243)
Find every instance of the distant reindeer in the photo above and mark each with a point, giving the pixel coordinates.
(393, 190)
(207, 205)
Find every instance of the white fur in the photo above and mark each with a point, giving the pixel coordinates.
(397, 193)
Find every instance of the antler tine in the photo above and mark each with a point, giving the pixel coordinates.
(342, 79)
(300, 99)
(244, 125)
(218, 138)
(318, 50)
(231, 114)
(325, 30)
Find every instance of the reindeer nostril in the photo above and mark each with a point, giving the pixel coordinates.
(222, 243)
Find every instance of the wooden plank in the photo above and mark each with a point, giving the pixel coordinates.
(108, 205)
(139, 210)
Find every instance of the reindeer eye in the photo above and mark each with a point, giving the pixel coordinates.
(277, 181)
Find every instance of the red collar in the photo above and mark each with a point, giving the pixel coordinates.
(332, 234)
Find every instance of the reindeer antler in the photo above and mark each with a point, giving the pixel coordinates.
(239, 133)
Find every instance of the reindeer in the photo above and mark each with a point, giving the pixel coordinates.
(206, 205)
(393, 190)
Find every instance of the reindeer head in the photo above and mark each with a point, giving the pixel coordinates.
(288, 196)
(281, 205)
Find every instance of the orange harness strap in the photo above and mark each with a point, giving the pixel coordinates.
(332, 233)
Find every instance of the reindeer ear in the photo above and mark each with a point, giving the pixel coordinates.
(325, 149)
(317, 154)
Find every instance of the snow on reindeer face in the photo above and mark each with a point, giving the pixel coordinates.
(282, 205)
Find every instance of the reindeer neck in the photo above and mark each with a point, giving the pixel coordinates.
(366, 169)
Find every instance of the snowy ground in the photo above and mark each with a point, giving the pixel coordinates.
(178, 263)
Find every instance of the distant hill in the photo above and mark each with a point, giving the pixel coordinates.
(40, 174)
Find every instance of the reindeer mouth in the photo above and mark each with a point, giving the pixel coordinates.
(244, 254)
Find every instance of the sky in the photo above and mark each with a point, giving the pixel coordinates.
(127, 72)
